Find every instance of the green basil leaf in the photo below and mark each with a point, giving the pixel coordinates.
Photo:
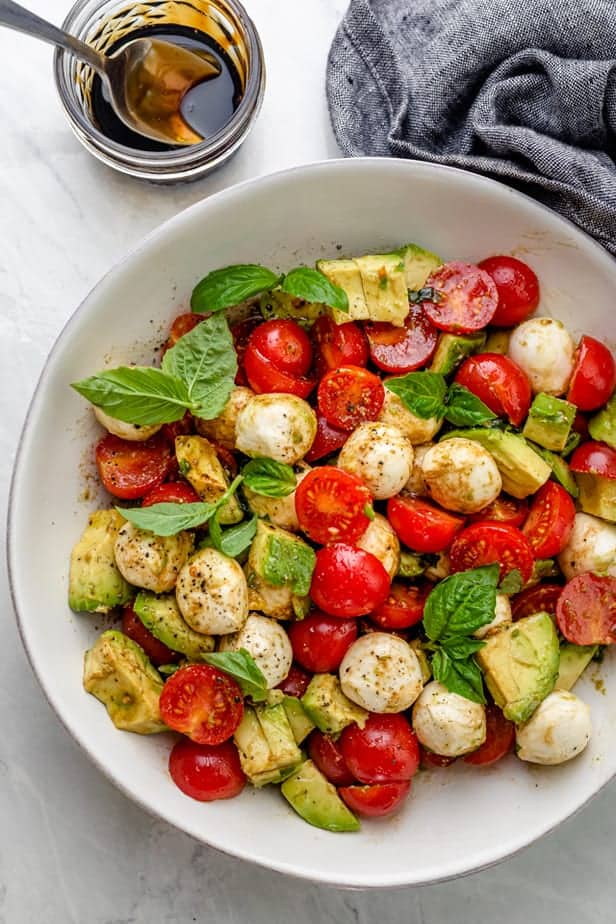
(459, 649)
(269, 478)
(231, 285)
(168, 669)
(464, 409)
(512, 583)
(205, 360)
(290, 563)
(423, 393)
(461, 677)
(441, 665)
(313, 286)
(242, 667)
(168, 519)
(136, 394)
(461, 603)
(234, 540)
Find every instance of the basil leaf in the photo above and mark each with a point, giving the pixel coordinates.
(464, 409)
(168, 669)
(427, 294)
(204, 359)
(423, 393)
(313, 286)
(234, 540)
(269, 478)
(136, 394)
(512, 583)
(459, 649)
(290, 563)
(242, 667)
(168, 519)
(461, 677)
(461, 603)
(230, 285)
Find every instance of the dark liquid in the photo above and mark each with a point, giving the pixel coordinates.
(206, 107)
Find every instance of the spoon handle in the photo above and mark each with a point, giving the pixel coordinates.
(17, 17)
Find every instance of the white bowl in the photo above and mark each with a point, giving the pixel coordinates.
(456, 820)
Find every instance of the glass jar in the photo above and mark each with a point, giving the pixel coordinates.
(105, 23)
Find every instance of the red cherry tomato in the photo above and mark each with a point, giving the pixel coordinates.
(349, 396)
(594, 458)
(331, 505)
(467, 298)
(499, 383)
(385, 750)
(500, 738)
(580, 425)
(504, 509)
(265, 378)
(540, 599)
(421, 525)
(337, 345)
(550, 521)
(296, 682)
(328, 440)
(586, 610)
(431, 761)
(203, 703)
(178, 428)
(347, 581)
(183, 324)
(241, 335)
(594, 375)
(403, 608)
(376, 800)
(172, 492)
(517, 286)
(128, 469)
(206, 773)
(402, 349)
(486, 542)
(326, 754)
(285, 344)
(155, 650)
(320, 642)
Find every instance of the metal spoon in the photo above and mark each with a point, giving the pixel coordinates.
(145, 80)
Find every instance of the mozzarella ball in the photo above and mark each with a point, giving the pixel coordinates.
(396, 414)
(222, 428)
(381, 540)
(447, 723)
(149, 561)
(558, 730)
(279, 510)
(381, 456)
(502, 615)
(591, 547)
(381, 672)
(543, 349)
(279, 427)
(212, 593)
(126, 431)
(461, 475)
(416, 484)
(267, 642)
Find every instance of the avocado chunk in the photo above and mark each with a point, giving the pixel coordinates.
(597, 495)
(549, 422)
(521, 468)
(602, 426)
(418, 264)
(278, 572)
(384, 281)
(560, 469)
(497, 342)
(201, 467)
(160, 614)
(520, 663)
(118, 673)
(300, 724)
(328, 707)
(266, 744)
(574, 659)
(451, 349)
(95, 584)
(346, 275)
(411, 565)
(279, 304)
(315, 799)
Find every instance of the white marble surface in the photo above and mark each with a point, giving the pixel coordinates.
(72, 848)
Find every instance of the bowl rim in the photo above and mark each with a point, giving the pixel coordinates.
(162, 231)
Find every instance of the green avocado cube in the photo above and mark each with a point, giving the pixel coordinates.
(95, 584)
(549, 422)
(574, 659)
(418, 264)
(315, 799)
(451, 349)
(522, 470)
(602, 426)
(597, 495)
(201, 467)
(161, 616)
(266, 744)
(328, 707)
(346, 275)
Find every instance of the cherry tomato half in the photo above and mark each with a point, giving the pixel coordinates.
(540, 599)
(172, 492)
(517, 286)
(128, 469)
(402, 349)
(203, 703)
(586, 610)
(385, 750)
(320, 642)
(376, 800)
(486, 542)
(331, 505)
(327, 440)
(326, 754)
(135, 630)
(404, 606)
(348, 581)
(504, 509)
(241, 335)
(499, 383)
(349, 396)
(337, 345)
(421, 525)
(296, 682)
(550, 521)
(594, 375)
(467, 298)
(285, 344)
(266, 378)
(206, 773)
(595, 458)
(183, 324)
(500, 738)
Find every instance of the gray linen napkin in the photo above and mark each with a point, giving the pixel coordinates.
(521, 90)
